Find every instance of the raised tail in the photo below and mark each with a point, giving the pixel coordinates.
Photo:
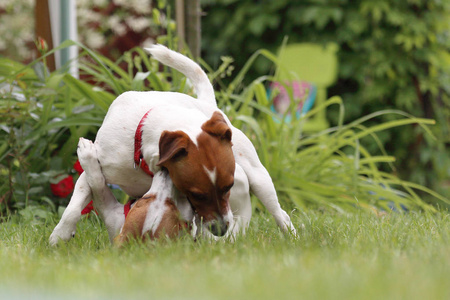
(189, 68)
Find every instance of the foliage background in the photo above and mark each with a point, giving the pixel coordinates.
(110, 27)
(393, 54)
(45, 113)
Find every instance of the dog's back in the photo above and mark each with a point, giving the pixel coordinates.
(118, 128)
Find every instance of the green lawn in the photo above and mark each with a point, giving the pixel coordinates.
(357, 256)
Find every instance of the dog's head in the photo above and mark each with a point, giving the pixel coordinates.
(154, 215)
(167, 223)
(203, 170)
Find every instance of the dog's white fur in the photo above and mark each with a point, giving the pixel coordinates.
(115, 145)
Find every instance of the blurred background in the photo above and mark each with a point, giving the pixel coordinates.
(390, 54)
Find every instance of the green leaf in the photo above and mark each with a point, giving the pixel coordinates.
(100, 98)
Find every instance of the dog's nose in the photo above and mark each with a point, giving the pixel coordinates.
(219, 228)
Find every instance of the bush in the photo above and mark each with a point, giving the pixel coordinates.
(330, 169)
(393, 55)
(46, 113)
(43, 117)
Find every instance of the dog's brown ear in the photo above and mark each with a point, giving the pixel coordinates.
(217, 126)
(172, 144)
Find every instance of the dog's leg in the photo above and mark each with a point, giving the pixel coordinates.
(261, 184)
(240, 203)
(260, 181)
(109, 209)
(67, 225)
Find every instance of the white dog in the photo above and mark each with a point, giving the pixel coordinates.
(190, 138)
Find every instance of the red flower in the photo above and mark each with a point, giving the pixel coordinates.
(78, 167)
(63, 188)
(88, 208)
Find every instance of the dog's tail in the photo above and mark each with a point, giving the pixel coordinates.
(189, 68)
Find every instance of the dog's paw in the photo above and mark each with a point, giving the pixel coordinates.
(290, 229)
(285, 223)
(87, 153)
(61, 233)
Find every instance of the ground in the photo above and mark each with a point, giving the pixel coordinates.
(354, 256)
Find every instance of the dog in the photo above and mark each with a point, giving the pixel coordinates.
(144, 132)
(153, 216)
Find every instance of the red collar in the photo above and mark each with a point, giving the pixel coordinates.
(127, 207)
(138, 157)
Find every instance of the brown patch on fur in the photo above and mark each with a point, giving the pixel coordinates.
(171, 144)
(217, 126)
(171, 225)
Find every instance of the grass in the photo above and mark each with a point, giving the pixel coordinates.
(345, 256)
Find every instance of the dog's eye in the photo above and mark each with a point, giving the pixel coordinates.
(199, 196)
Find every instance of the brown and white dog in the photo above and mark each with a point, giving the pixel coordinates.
(153, 216)
(189, 137)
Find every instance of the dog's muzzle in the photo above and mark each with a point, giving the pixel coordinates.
(218, 227)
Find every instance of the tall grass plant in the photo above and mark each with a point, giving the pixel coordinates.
(46, 113)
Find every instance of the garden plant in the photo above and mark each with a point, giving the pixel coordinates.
(45, 114)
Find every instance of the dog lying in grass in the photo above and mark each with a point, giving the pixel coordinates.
(153, 216)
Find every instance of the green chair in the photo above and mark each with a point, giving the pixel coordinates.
(313, 63)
